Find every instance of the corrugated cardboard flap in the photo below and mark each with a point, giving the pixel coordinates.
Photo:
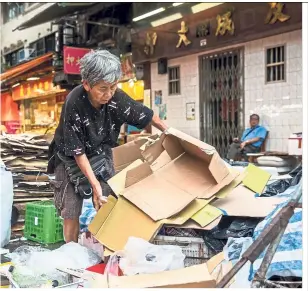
(120, 157)
(123, 221)
(196, 276)
(185, 168)
(117, 182)
(102, 215)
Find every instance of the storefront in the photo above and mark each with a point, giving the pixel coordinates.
(210, 70)
(40, 104)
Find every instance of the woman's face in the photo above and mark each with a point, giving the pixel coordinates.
(101, 92)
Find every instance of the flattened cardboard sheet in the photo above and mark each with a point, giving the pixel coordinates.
(157, 197)
(256, 179)
(206, 215)
(194, 225)
(187, 212)
(227, 189)
(242, 202)
(196, 276)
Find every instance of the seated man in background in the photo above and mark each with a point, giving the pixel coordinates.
(251, 140)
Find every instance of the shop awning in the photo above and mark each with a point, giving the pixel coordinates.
(56, 10)
(22, 68)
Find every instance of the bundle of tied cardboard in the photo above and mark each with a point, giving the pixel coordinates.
(175, 180)
(26, 156)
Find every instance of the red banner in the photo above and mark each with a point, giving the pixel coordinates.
(71, 58)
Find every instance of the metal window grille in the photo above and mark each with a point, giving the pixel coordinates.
(275, 64)
(174, 80)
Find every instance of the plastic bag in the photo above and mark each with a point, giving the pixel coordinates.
(142, 257)
(87, 240)
(235, 227)
(281, 186)
(112, 266)
(35, 266)
(233, 251)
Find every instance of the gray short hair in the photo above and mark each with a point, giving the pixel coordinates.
(100, 65)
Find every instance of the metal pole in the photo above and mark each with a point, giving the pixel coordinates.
(269, 255)
(272, 232)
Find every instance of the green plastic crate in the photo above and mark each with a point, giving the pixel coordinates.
(42, 223)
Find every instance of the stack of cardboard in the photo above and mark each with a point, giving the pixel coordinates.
(176, 181)
(22, 153)
(26, 156)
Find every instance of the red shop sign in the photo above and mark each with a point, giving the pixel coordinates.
(71, 58)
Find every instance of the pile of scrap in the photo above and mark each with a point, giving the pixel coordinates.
(177, 181)
(26, 156)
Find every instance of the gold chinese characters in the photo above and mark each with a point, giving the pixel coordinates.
(275, 13)
(224, 24)
(150, 42)
(182, 35)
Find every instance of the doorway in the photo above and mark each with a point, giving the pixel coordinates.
(221, 98)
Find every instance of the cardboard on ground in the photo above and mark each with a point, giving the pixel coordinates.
(227, 189)
(194, 225)
(242, 202)
(117, 220)
(256, 179)
(196, 276)
(206, 215)
(218, 268)
(187, 169)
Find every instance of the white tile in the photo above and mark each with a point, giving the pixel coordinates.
(291, 51)
(299, 90)
(299, 78)
(291, 78)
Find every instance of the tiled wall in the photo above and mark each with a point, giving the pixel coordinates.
(176, 104)
(279, 105)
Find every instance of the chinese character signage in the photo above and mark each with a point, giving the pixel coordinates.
(276, 13)
(71, 58)
(127, 68)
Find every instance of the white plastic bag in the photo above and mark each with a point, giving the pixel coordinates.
(35, 266)
(141, 257)
(92, 244)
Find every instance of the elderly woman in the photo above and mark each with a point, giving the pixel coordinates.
(81, 155)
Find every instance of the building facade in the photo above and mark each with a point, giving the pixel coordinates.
(40, 38)
(229, 77)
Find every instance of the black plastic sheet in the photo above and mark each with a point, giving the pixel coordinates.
(229, 226)
(282, 185)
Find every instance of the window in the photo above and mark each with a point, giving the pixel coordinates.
(174, 80)
(50, 42)
(12, 10)
(11, 59)
(275, 64)
(43, 45)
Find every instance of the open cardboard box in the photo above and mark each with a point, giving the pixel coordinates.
(127, 153)
(177, 169)
(161, 187)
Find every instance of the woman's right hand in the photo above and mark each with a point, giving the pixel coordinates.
(98, 198)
